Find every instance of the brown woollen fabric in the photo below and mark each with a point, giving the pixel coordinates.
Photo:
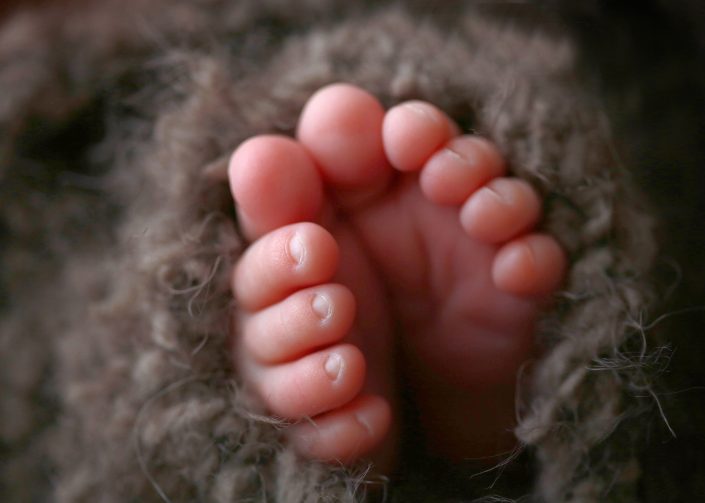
(119, 235)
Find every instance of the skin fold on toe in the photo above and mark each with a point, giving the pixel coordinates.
(430, 246)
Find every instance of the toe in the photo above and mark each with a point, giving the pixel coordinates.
(306, 320)
(345, 434)
(274, 182)
(412, 132)
(532, 265)
(459, 169)
(287, 259)
(341, 125)
(316, 383)
(500, 210)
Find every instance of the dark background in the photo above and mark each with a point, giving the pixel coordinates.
(647, 61)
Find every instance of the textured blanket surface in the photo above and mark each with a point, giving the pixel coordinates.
(115, 118)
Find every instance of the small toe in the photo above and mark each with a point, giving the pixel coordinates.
(412, 132)
(341, 126)
(274, 182)
(283, 261)
(532, 265)
(303, 322)
(345, 434)
(500, 210)
(316, 383)
(461, 167)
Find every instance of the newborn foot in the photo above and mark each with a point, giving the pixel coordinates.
(386, 249)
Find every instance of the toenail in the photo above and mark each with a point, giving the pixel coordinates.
(529, 253)
(366, 422)
(321, 306)
(458, 159)
(333, 366)
(497, 195)
(297, 251)
(423, 111)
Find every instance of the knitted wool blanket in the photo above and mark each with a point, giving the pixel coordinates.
(115, 119)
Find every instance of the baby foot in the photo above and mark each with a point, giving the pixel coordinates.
(373, 232)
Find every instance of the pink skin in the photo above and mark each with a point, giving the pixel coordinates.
(373, 230)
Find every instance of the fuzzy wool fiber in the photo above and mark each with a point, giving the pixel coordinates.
(118, 237)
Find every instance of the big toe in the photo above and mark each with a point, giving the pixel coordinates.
(341, 126)
(274, 182)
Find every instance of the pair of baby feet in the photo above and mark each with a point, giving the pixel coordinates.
(387, 250)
